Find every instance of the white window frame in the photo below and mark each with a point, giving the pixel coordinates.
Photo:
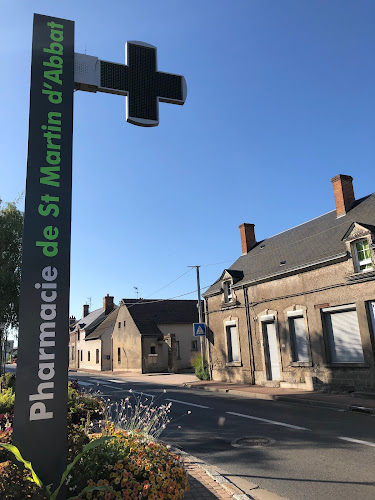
(363, 262)
(292, 315)
(331, 338)
(228, 336)
(228, 295)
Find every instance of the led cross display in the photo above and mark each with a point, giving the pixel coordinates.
(138, 79)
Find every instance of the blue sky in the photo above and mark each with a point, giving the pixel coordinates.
(280, 100)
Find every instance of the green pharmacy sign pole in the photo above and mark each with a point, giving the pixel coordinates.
(40, 422)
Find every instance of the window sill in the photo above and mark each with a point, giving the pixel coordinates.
(301, 363)
(229, 305)
(233, 363)
(347, 365)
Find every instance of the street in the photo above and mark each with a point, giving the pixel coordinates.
(313, 452)
(309, 452)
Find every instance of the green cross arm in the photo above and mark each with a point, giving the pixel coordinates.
(139, 80)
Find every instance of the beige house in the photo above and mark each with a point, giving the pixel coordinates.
(297, 309)
(140, 335)
(154, 335)
(89, 341)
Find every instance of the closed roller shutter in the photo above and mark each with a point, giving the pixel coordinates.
(343, 336)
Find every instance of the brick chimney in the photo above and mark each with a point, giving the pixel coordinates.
(247, 237)
(344, 194)
(107, 304)
(85, 310)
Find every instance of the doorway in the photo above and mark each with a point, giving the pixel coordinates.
(271, 351)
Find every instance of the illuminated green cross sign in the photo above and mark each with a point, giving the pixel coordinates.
(138, 79)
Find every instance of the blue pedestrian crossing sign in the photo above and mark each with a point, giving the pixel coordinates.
(199, 329)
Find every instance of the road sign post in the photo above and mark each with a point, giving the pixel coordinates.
(40, 423)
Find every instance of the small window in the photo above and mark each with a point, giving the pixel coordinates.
(233, 344)
(194, 345)
(124, 323)
(227, 291)
(300, 350)
(153, 349)
(178, 350)
(362, 254)
(88, 355)
(97, 356)
(119, 355)
(78, 335)
(81, 355)
(119, 324)
(72, 353)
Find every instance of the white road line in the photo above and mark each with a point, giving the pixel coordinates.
(107, 385)
(190, 404)
(97, 381)
(143, 393)
(80, 382)
(116, 381)
(358, 441)
(274, 422)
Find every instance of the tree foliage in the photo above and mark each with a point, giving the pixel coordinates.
(11, 224)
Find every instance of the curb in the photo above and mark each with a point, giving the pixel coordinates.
(285, 399)
(218, 476)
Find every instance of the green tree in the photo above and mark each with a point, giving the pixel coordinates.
(11, 224)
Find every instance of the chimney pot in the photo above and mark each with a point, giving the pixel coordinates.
(107, 304)
(85, 310)
(247, 237)
(343, 192)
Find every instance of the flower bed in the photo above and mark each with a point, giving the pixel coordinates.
(128, 463)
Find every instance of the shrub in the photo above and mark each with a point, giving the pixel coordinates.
(6, 400)
(201, 371)
(83, 407)
(8, 381)
(16, 483)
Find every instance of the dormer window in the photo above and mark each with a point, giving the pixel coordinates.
(227, 291)
(363, 256)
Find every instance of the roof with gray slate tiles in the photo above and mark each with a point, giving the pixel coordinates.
(105, 327)
(147, 314)
(310, 243)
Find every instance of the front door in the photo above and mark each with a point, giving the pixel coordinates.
(271, 351)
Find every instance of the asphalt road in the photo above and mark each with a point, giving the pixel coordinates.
(313, 453)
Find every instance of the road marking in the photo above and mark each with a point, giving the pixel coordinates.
(274, 422)
(110, 386)
(80, 382)
(190, 404)
(116, 381)
(358, 441)
(143, 393)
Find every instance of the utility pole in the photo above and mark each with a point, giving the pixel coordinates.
(199, 311)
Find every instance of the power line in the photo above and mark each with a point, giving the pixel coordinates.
(163, 300)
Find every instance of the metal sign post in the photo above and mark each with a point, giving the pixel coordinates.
(40, 423)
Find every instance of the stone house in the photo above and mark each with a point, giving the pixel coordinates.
(154, 335)
(139, 335)
(297, 309)
(88, 340)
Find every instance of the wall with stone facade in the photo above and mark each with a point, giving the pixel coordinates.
(310, 291)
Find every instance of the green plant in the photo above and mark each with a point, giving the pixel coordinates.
(47, 489)
(201, 371)
(6, 400)
(8, 381)
(131, 466)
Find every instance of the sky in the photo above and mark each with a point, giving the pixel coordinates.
(280, 100)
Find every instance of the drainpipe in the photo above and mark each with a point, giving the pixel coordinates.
(249, 339)
(207, 321)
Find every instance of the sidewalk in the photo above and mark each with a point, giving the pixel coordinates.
(355, 401)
